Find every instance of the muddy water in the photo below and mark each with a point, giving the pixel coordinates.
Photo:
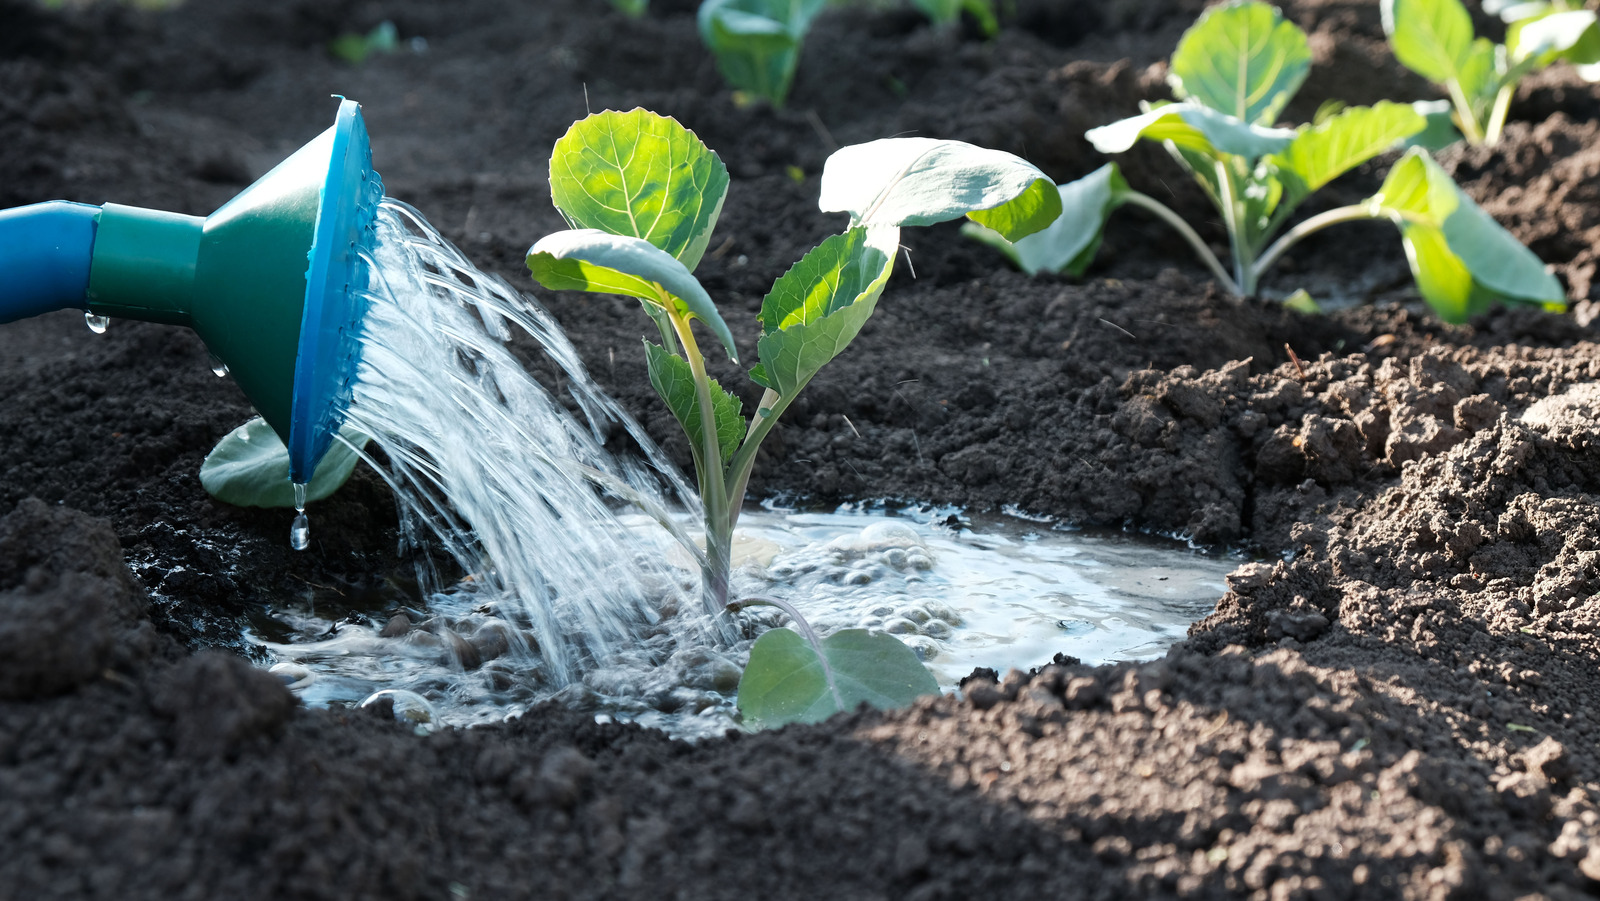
(963, 592)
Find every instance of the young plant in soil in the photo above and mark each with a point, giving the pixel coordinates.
(757, 42)
(642, 195)
(1434, 38)
(1233, 72)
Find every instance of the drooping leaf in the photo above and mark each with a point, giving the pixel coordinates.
(819, 306)
(1192, 127)
(1323, 152)
(921, 181)
(672, 378)
(1242, 59)
(1069, 244)
(786, 682)
(1432, 38)
(249, 467)
(588, 259)
(640, 175)
(757, 42)
(1463, 260)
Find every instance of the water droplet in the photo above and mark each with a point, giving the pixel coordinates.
(97, 324)
(300, 532)
(300, 496)
(218, 368)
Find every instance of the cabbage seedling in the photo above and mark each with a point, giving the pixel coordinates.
(757, 42)
(1233, 72)
(1434, 38)
(641, 195)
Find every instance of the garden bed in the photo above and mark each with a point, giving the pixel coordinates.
(1399, 701)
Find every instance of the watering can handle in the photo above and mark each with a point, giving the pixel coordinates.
(45, 254)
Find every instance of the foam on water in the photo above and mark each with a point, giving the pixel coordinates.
(537, 583)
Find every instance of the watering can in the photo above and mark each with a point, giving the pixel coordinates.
(272, 282)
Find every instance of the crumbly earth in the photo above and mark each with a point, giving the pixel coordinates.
(1400, 703)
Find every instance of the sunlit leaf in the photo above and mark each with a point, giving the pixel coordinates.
(786, 682)
(1241, 59)
(640, 175)
(672, 378)
(1323, 152)
(1192, 127)
(1432, 38)
(921, 181)
(1463, 260)
(249, 467)
(819, 306)
(588, 259)
(1069, 244)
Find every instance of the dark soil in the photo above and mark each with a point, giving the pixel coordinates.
(1400, 708)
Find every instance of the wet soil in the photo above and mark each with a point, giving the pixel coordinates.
(1399, 701)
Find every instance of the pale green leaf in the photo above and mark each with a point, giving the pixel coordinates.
(640, 175)
(1432, 38)
(1323, 152)
(1553, 35)
(249, 467)
(1068, 245)
(591, 260)
(672, 378)
(819, 306)
(757, 42)
(1463, 260)
(921, 181)
(1195, 128)
(1241, 59)
(786, 682)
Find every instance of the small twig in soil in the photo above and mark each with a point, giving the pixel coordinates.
(850, 424)
(1296, 358)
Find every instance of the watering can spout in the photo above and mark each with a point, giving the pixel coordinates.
(273, 281)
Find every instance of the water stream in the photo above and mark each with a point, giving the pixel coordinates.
(538, 582)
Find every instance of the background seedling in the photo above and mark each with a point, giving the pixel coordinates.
(757, 42)
(642, 195)
(1434, 38)
(1233, 72)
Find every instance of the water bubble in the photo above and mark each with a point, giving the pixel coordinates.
(218, 368)
(96, 324)
(300, 532)
(900, 626)
(409, 708)
(937, 628)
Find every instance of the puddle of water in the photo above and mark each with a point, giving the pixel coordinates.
(963, 592)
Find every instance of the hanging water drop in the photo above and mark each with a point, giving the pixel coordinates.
(300, 531)
(97, 324)
(218, 368)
